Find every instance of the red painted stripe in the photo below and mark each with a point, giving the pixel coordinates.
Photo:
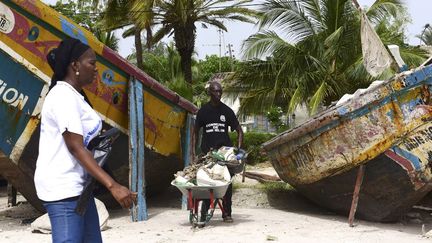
(406, 164)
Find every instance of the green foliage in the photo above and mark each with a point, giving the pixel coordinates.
(181, 87)
(312, 53)
(179, 18)
(156, 62)
(277, 186)
(274, 116)
(162, 62)
(108, 38)
(214, 64)
(79, 13)
(176, 18)
(252, 145)
(200, 96)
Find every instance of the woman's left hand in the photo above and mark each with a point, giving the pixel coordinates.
(123, 195)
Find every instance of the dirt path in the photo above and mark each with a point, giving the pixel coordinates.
(258, 217)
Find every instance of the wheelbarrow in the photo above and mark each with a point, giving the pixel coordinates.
(195, 196)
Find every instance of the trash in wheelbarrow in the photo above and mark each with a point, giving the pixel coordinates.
(232, 157)
(210, 174)
(226, 153)
(213, 175)
(211, 167)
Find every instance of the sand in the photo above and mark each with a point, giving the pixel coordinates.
(257, 216)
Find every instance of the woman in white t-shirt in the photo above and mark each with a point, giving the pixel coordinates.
(68, 124)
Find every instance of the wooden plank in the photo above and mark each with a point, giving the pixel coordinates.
(132, 136)
(136, 149)
(354, 203)
(187, 147)
(142, 205)
(261, 177)
(132, 143)
(12, 195)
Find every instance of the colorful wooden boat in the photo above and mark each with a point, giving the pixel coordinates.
(28, 31)
(387, 128)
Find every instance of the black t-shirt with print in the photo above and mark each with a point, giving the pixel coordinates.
(215, 121)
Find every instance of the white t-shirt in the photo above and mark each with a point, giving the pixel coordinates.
(58, 174)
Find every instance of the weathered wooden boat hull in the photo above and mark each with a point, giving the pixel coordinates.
(28, 31)
(393, 181)
(386, 128)
(386, 192)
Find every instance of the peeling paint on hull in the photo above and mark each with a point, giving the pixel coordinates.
(389, 122)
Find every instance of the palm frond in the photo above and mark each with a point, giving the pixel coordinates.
(318, 97)
(289, 16)
(414, 56)
(262, 43)
(213, 22)
(162, 32)
(296, 99)
(382, 9)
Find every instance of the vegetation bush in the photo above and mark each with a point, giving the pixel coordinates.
(252, 144)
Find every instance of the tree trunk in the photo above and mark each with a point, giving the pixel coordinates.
(139, 49)
(184, 38)
(149, 38)
(186, 65)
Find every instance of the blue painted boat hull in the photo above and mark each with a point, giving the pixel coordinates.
(19, 92)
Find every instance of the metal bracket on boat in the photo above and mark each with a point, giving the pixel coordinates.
(394, 51)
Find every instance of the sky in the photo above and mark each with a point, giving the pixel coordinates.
(209, 39)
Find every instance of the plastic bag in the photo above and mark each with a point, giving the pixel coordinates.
(216, 175)
(228, 153)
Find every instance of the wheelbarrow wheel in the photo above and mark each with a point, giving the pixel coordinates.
(191, 217)
(195, 216)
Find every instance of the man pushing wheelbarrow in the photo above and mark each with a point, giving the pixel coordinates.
(205, 184)
(215, 117)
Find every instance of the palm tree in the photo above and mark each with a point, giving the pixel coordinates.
(163, 64)
(174, 17)
(426, 35)
(135, 15)
(118, 15)
(178, 18)
(319, 59)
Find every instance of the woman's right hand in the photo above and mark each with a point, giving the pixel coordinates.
(123, 195)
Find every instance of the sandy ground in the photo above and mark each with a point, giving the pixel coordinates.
(258, 217)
